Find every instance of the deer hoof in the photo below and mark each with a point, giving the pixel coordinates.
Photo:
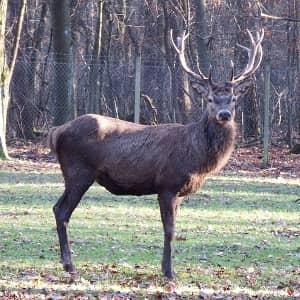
(169, 275)
(70, 268)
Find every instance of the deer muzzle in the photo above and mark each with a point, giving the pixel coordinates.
(224, 115)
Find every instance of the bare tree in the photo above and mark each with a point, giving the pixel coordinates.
(61, 24)
(26, 72)
(291, 76)
(249, 101)
(95, 78)
(6, 69)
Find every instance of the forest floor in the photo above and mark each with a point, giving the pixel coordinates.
(245, 160)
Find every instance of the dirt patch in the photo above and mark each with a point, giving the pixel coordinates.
(245, 160)
(249, 160)
(30, 157)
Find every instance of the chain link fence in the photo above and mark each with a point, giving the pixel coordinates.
(38, 101)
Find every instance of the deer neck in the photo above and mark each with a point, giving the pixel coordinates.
(215, 142)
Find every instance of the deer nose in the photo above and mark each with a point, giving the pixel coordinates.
(224, 115)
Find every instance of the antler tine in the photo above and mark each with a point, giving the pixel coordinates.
(180, 52)
(255, 54)
(251, 53)
(232, 70)
(251, 36)
(210, 79)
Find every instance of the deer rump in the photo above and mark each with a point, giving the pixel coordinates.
(130, 159)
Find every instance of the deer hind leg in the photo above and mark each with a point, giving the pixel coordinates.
(75, 186)
(168, 203)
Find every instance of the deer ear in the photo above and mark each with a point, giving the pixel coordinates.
(242, 87)
(201, 89)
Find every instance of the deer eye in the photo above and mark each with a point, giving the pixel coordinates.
(210, 100)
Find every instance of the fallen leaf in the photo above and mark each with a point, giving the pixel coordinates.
(204, 296)
(181, 238)
(290, 291)
(184, 275)
(170, 288)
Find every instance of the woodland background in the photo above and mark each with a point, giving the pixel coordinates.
(238, 238)
(69, 57)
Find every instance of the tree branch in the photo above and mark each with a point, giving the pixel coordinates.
(264, 14)
(17, 39)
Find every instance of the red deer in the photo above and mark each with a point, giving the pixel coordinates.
(170, 160)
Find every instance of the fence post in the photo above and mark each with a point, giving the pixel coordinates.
(137, 93)
(138, 36)
(266, 126)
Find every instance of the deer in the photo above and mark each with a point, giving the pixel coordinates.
(169, 160)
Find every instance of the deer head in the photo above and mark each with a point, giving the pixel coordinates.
(221, 98)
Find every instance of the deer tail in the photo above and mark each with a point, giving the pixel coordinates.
(53, 135)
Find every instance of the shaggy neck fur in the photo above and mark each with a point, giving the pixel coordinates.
(218, 140)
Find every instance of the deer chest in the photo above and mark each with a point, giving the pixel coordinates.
(192, 184)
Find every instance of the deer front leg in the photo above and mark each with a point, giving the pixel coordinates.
(168, 206)
(76, 186)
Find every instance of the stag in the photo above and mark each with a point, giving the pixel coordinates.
(170, 160)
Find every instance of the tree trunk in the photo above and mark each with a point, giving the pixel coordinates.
(180, 101)
(6, 70)
(248, 101)
(297, 96)
(201, 32)
(4, 96)
(61, 24)
(291, 78)
(184, 91)
(25, 74)
(95, 79)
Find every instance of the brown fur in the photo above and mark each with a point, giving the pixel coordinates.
(170, 160)
(127, 158)
(53, 135)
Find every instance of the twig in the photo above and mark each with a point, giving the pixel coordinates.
(263, 14)
(152, 106)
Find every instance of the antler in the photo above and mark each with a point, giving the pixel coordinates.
(255, 54)
(181, 56)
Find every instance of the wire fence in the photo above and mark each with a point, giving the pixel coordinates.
(38, 97)
(39, 100)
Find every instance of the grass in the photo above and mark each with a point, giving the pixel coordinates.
(238, 236)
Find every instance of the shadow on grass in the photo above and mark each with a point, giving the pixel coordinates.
(7, 177)
(140, 294)
(231, 222)
(142, 289)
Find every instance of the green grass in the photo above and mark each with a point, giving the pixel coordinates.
(237, 236)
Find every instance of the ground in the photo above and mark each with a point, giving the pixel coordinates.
(238, 238)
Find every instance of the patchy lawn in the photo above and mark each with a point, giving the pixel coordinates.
(238, 237)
